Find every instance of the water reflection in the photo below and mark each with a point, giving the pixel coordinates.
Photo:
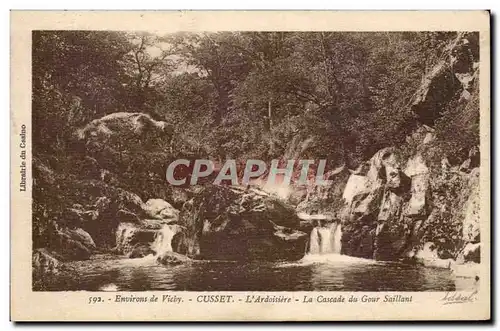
(344, 274)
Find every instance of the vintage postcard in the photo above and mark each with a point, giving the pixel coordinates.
(250, 166)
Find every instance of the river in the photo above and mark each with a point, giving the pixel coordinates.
(331, 272)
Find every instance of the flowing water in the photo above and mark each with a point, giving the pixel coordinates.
(163, 240)
(329, 272)
(322, 269)
(325, 239)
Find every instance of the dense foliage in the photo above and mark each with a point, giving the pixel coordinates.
(235, 95)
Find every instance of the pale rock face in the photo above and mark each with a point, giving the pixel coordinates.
(383, 158)
(160, 209)
(367, 205)
(122, 123)
(356, 184)
(386, 164)
(466, 79)
(417, 206)
(416, 166)
(429, 137)
(471, 220)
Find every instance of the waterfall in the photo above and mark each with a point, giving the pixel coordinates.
(314, 242)
(325, 239)
(337, 239)
(163, 240)
(126, 238)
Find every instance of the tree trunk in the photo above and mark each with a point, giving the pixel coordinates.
(270, 120)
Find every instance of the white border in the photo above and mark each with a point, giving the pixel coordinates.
(215, 4)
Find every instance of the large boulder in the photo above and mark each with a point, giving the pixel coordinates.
(160, 209)
(123, 124)
(71, 243)
(356, 184)
(172, 258)
(79, 235)
(233, 223)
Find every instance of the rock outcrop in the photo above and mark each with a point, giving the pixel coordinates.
(402, 203)
(232, 223)
(393, 214)
(171, 258)
(69, 243)
(455, 72)
(160, 209)
(123, 124)
(86, 215)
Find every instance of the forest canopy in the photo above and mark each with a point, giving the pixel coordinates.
(238, 95)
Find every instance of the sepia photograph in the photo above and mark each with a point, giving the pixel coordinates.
(208, 166)
(383, 125)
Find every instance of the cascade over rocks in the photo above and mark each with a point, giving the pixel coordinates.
(137, 240)
(389, 206)
(396, 205)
